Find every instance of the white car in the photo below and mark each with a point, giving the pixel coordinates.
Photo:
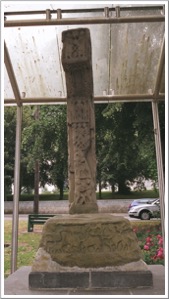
(146, 211)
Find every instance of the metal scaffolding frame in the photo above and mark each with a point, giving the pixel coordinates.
(154, 97)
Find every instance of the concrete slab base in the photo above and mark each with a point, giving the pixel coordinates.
(90, 279)
(18, 284)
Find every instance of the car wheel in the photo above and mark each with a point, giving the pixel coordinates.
(145, 215)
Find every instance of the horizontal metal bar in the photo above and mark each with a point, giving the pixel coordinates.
(128, 97)
(86, 10)
(106, 99)
(78, 21)
(11, 75)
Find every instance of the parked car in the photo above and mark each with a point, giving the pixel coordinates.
(140, 201)
(146, 211)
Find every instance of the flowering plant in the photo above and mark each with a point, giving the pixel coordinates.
(151, 244)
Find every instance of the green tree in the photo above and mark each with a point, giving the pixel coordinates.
(125, 144)
(121, 161)
(9, 148)
(102, 145)
(145, 129)
(26, 178)
(47, 142)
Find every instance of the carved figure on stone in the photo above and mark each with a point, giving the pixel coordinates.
(76, 60)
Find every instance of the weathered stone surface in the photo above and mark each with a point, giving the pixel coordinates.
(76, 60)
(90, 240)
(44, 263)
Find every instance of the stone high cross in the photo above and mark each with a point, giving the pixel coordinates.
(77, 64)
(103, 247)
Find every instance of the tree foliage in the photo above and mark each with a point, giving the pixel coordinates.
(9, 147)
(125, 144)
(46, 140)
(125, 148)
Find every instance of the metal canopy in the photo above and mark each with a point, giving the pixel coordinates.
(128, 57)
(127, 52)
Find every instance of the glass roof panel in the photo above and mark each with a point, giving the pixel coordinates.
(125, 56)
(36, 57)
(135, 51)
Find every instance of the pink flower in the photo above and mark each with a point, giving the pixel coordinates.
(159, 237)
(146, 247)
(160, 255)
(135, 230)
(148, 240)
(160, 242)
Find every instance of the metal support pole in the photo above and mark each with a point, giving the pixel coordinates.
(36, 172)
(11, 75)
(117, 8)
(15, 217)
(48, 14)
(106, 12)
(159, 166)
(85, 10)
(160, 70)
(59, 14)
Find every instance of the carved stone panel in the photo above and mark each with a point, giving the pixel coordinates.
(90, 240)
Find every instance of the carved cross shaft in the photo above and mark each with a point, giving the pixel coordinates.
(77, 64)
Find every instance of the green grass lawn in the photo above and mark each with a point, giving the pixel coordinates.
(27, 245)
(28, 242)
(132, 195)
(105, 195)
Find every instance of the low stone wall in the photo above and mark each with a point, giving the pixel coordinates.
(61, 207)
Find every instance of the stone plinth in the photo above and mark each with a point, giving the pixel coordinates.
(88, 251)
(90, 279)
(89, 240)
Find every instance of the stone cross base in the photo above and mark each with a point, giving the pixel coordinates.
(88, 250)
(88, 240)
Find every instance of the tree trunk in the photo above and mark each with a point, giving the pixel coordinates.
(61, 193)
(36, 185)
(112, 188)
(60, 185)
(123, 189)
